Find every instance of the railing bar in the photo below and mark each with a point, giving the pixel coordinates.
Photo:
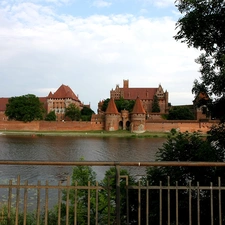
(109, 197)
(147, 204)
(190, 197)
(177, 215)
(168, 200)
(139, 203)
(25, 204)
(127, 200)
(67, 201)
(17, 201)
(117, 194)
(59, 203)
(38, 204)
(75, 205)
(89, 203)
(198, 203)
(96, 203)
(109, 163)
(220, 202)
(211, 202)
(46, 204)
(9, 202)
(160, 203)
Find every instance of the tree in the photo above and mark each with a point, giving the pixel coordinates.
(24, 108)
(180, 113)
(80, 177)
(186, 147)
(73, 112)
(51, 116)
(121, 104)
(155, 105)
(86, 113)
(110, 182)
(202, 27)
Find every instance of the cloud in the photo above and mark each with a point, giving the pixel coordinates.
(40, 50)
(158, 3)
(101, 3)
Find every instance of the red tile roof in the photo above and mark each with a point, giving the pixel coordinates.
(138, 107)
(64, 92)
(111, 108)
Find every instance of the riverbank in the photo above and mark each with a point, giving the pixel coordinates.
(120, 133)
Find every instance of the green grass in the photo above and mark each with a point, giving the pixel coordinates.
(119, 133)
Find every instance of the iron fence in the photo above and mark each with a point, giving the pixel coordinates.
(138, 203)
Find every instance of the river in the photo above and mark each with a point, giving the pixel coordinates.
(61, 148)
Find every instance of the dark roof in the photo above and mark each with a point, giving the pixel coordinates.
(138, 107)
(111, 108)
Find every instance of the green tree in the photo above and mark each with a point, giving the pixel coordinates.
(73, 112)
(86, 113)
(51, 116)
(202, 26)
(109, 181)
(155, 105)
(24, 108)
(121, 104)
(105, 104)
(186, 147)
(80, 177)
(180, 113)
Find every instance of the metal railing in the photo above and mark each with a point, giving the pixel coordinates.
(122, 204)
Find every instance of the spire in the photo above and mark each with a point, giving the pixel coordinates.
(111, 109)
(138, 107)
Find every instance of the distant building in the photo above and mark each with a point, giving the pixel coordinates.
(60, 100)
(146, 95)
(57, 102)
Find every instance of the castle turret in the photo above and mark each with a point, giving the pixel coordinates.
(138, 117)
(112, 116)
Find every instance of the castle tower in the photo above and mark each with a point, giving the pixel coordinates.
(112, 116)
(125, 83)
(138, 117)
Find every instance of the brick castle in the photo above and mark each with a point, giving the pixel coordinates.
(136, 121)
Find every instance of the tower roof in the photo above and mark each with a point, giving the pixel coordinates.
(64, 91)
(111, 108)
(138, 107)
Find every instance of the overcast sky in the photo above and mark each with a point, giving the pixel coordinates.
(93, 45)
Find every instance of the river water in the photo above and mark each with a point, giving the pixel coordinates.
(63, 148)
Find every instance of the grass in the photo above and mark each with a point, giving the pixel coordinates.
(120, 133)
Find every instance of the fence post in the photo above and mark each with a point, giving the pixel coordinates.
(117, 194)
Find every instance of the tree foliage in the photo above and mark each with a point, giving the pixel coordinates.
(121, 104)
(202, 27)
(186, 147)
(73, 112)
(106, 196)
(24, 108)
(180, 113)
(51, 116)
(86, 113)
(155, 105)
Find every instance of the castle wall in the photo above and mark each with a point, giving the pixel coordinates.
(51, 126)
(182, 126)
(152, 126)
